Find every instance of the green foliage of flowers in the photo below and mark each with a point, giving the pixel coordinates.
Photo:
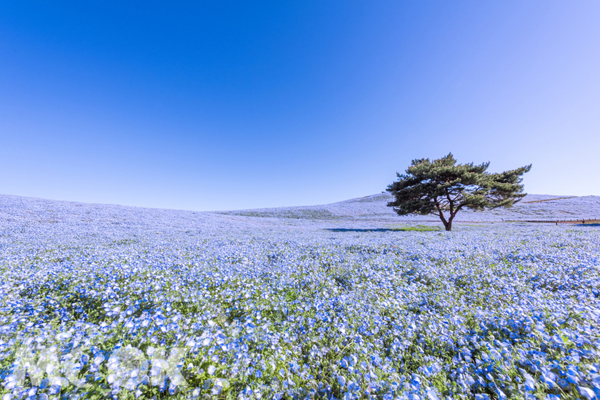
(227, 312)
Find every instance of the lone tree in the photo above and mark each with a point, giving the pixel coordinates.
(443, 188)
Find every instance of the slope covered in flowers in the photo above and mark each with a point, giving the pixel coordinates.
(107, 301)
(532, 207)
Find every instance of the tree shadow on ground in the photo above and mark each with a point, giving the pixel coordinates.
(595, 224)
(363, 230)
(406, 229)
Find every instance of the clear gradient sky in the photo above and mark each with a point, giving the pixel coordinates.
(214, 105)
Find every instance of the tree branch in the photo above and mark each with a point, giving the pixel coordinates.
(451, 204)
(441, 213)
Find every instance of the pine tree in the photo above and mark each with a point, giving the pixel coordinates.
(443, 188)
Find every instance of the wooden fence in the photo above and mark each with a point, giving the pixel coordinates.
(562, 221)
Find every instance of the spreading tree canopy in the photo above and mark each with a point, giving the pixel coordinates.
(443, 188)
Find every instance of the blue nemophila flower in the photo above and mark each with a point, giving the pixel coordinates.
(501, 312)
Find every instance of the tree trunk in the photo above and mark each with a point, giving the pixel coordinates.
(448, 225)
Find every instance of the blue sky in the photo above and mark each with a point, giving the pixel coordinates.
(216, 105)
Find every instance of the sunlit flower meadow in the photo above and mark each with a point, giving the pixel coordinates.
(115, 302)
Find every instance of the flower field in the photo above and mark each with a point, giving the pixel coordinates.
(116, 302)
